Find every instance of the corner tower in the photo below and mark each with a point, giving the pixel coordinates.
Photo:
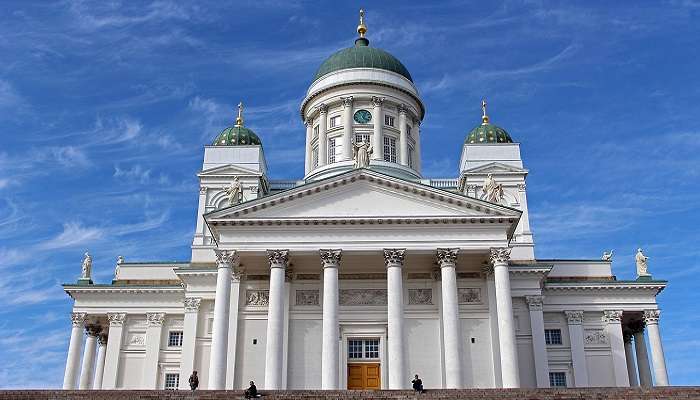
(358, 94)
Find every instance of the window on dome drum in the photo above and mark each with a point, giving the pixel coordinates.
(557, 379)
(316, 131)
(552, 336)
(172, 381)
(175, 339)
(331, 151)
(388, 120)
(408, 130)
(314, 156)
(363, 349)
(361, 137)
(410, 157)
(335, 121)
(389, 149)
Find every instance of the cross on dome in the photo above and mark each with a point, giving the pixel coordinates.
(239, 118)
(484, 117)
(362, 28)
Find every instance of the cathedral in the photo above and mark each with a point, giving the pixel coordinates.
(363, 272)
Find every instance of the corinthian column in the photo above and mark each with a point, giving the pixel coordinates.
(378, 118)
(330, 350)
(613, 327)
(309, 137)
(347, 128)
(397, 362)
(539, 347)
(114, 345)
(403, 138)
(452, 332)
(74, 346)
(506, 325)
(274, 351)
(578, 353)
(629, 357)
(322, 135)
(651, 317)
(225, 260)
(640, 347)
(88, 369)
(100, 364)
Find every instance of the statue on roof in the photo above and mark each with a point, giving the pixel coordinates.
(361, 153)
(233, 192)
(607, 255)
(493, 191)
(642, 267)
(120, 261)
(86, 271)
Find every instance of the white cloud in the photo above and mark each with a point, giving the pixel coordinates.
(73, 234)
(9, 97)
(70, 156)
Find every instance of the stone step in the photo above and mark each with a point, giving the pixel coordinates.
(669, 393)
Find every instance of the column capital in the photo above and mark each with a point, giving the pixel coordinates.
(323, 108)
(226, 258)
(378, 101)
(534, 303)
(394, 257)
(612, 316)
(500, 255)
(278, 258)
(192, 304)
(330, 258)
(651, 317)
(308, 122)
(402, 108)
(447, 257)
(78, 318)
(574, 317)
(116, 319)
(93, 330)
(155, 319)
(347, 101)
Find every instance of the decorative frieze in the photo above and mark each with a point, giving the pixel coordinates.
(652, 316)
(574, 317)
(257, 297)
(78, 318)
(192, 304)
(500, 255)
(595, 337)
(155, 319)
(612, 316)
(116, 319)
(420, 296)
(278, 258)
(447, 257)
(307, 297)
(394, 257)
(137, 340)
(330, 257)
(363, 297)
(534, 303)
(469, 295)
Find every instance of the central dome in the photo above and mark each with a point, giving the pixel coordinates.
(362, 56)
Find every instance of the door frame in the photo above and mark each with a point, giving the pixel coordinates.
(363, 331)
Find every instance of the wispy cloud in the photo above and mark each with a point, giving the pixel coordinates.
(73, 234)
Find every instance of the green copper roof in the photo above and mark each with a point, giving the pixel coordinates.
(362, 56)
(487, 133)
(236, 136)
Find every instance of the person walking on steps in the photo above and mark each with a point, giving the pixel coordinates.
(194, 380)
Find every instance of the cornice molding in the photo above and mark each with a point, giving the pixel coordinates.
(602, 286)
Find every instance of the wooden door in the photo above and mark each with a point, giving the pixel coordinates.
(364, 376)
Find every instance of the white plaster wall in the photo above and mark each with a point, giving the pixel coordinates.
(304, 359)
(201, 362)
(130, 371)
(526, 362)
(250, 358)
(600, 368)
(423, 359)
(476, 359)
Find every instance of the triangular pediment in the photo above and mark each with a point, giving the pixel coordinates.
(363, 194)
(226, 170)
(494, 167)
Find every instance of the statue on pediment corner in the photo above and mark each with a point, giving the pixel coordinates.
(607, 256)
(86, 271)
(641, 261)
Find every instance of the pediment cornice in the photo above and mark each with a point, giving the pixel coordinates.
(495, 167)
(228, 170)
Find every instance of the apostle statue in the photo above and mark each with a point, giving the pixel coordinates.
(607, 255)
(642, 268)
(87, 267)
(361, 153)
(233, 192)
(120, 261)
(492, 191)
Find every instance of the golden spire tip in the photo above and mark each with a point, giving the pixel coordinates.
(362, 28)
(239, 119)
(484, 117)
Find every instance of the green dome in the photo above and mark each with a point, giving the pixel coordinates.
(237, 136)
(487, 133)
(362, 56)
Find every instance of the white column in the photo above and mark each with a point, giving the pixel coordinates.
(395, 328)
(219, 335)
(154, 332)
(87, 372)
(330, 349)
(274, 351)
(506, 324)
(403, 138)
(452, 332)
(417, 163)
(322, 135)
(643, 366)
(629, 357)
(487, 271)
(200, 230)
(114, 345)
(348, 134)
(578, 353)
(377, 136)
(74, 347)
(233, 328)
(651, 317)
(539, 347)
(100, 364)
(613, 328)
(309, 137)
(189, 339)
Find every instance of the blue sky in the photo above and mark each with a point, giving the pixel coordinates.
(105, 107)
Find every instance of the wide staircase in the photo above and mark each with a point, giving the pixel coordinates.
(480, 394)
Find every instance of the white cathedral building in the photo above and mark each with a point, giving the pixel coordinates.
(362, 273)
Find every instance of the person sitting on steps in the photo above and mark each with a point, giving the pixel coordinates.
(252, 391)
(194, 380)
(418, 384)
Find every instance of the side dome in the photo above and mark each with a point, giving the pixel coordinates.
(237, 135)
(362, 56)
(487, 132)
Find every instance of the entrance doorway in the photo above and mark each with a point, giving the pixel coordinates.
(364, 370)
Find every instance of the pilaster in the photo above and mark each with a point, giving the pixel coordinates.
(613, 327)
(189, 339)
(539, 347)
(578, 354)
(154, 332)
(114, 345)
(236, 277)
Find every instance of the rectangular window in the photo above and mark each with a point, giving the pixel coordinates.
(316, 131)
(175, 339)
(557, 379)
(335, 121)
(410, 157)
(354, 348)
(331, 151)
(388, 120)
(363, 348)
(408, 130)
(372, 348)
(552, 336)
(361, 137)
(314, 156)
(172, 381)
(389, 149)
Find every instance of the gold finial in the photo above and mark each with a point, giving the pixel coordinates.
(484, 117)
(239, 119)
(362, 28)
